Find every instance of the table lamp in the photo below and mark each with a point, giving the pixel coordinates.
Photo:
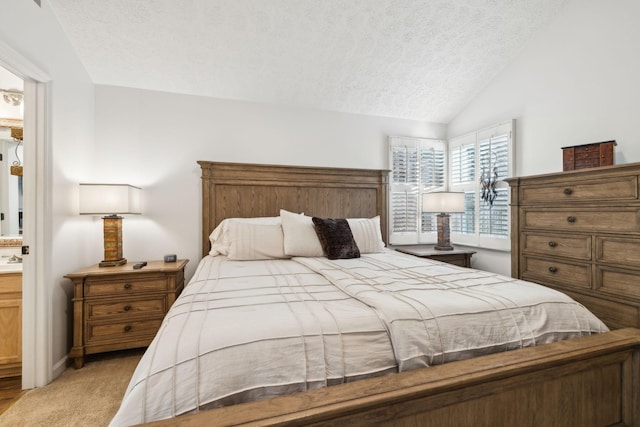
(443, 203)
(110, 200)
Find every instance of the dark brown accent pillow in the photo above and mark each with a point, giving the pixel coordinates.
(336, 238)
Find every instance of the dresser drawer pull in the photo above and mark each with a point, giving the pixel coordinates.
(552, 244)
(568, 191)
(571, 219)
(127, 328)
(552, 269)
(127, 286)
(127, 307)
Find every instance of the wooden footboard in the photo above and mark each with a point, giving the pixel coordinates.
(591, 381)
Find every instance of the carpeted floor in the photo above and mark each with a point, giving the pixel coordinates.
(85, 397)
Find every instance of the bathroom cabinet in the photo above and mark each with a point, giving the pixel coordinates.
(10, 324)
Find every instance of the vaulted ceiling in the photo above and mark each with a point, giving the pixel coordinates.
(415, 59)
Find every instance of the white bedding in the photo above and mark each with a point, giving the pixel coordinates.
(243, 330)
(246, 330)
(437, 312)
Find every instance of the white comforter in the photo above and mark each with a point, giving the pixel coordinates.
(246, 330)
(437, 312)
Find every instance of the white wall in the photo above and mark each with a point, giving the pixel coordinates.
(153, 140)
(576, 83)
(34, 33)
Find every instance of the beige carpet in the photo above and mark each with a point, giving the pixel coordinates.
(85, 397)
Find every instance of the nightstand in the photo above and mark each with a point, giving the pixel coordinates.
(461, 257)
(116, 308)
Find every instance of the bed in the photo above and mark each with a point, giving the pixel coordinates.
(350, 323)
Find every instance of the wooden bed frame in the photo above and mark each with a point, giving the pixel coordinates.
(590, 381)
(239, 190)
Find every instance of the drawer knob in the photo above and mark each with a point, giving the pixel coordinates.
(571, 219)
(552, 269)
(127, 286)
(127, 328)
(127, 307)
(553, 244)
(568, 191)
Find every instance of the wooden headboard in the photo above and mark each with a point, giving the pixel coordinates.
(241, 190)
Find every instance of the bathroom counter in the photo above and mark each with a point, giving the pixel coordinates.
(10, 268)
(8, 262)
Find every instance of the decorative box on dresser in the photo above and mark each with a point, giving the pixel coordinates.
(579, 232)
(116, 308)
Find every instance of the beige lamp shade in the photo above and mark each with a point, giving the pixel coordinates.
(110, 199)
(443, 202)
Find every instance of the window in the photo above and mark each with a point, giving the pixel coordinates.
(420, 166)
(417, 166)
(486, 155)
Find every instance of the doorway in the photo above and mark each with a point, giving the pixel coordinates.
(11, 224)
(37, 369)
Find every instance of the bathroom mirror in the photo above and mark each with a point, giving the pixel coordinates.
(11, 150)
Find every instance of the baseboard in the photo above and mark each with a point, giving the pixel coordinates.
(59, 367)
(11, 370)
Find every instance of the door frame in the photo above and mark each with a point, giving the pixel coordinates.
(37, 334)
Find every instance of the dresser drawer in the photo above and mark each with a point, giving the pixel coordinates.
(148, 306)
(557, 272)
(618, 282)
(100, 288)
(572, 246)
(619, 188)
(618, 251)
(121, 330)
(602, 220)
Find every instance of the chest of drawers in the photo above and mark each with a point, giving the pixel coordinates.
(579, 232)
(116, 308)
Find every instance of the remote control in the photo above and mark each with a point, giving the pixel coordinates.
(139, 265)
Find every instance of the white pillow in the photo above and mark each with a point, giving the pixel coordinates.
(250, 241)
(300, 238)
(366, 232)
(219, 237)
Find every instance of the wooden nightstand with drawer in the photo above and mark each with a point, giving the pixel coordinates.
(117, 308)
(461, 257)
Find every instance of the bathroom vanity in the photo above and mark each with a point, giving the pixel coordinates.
(10, 324)
(10, 315)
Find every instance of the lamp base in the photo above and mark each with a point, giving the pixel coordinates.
(112, 242)
(444, 241)
(114, 263)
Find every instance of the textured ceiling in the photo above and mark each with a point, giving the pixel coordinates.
(416, 59)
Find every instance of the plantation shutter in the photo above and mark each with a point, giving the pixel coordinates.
(463, 172)
(420, 166)
(494, 217)
(483, 154)
(404, 195)
(417, 166)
